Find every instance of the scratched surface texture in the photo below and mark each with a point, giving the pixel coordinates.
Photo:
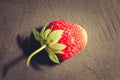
(100, 60)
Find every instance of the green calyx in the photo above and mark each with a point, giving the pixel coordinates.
(49, 41)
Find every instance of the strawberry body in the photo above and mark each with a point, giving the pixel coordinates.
(74, 37)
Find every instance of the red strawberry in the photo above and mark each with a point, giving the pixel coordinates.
(61, 39)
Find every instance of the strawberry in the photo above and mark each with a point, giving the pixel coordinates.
(61, 39)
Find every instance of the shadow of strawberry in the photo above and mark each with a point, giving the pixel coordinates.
(28, 45)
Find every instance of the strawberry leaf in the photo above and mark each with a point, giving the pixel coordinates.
(54, 36)
(46, 33)
(57, 46)
(36, 35)
(53, 57)
(42, 31)
(59, 52)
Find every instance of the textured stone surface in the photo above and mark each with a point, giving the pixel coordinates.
(100, 60)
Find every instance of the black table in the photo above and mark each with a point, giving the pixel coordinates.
(100, 60)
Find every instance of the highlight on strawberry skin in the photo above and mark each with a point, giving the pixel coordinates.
(61, 39)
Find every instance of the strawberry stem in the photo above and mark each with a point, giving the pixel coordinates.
(34, 53)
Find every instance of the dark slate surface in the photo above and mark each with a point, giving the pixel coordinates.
(100, 60)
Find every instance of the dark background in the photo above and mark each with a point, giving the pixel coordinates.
(100, 60)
